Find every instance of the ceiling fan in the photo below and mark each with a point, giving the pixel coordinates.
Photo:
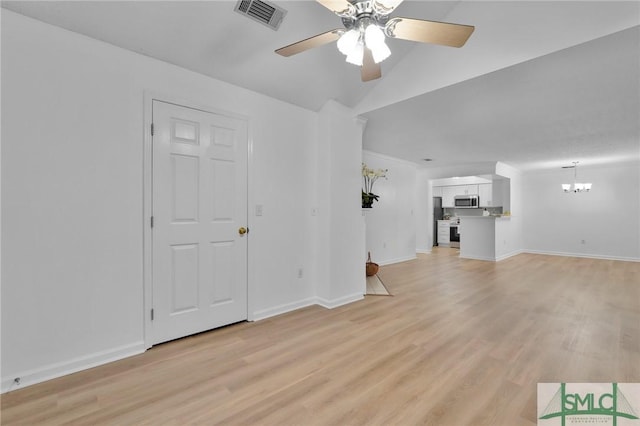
(366, 26)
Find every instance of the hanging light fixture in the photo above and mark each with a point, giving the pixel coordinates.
(374, 38)
(577, 187)
(356, 55)
(368, 26)
(347, 42)
(365, 33)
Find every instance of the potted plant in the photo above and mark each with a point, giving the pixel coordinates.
(368, 199)
(369, 177)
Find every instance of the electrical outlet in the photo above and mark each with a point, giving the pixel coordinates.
(314, 211)
(583, 242)
(258, 209)
(300, 273)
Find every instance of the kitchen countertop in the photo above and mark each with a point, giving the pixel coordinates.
(485, 217)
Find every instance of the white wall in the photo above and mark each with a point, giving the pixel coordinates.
(423, 212)
(72, 197)
(341, 264)
(391, 223)
(0, 232)
(606, 218)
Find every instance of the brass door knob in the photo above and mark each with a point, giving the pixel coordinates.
(242, 230)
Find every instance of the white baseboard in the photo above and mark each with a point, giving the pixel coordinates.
(493, 259)
(31, 377)
(320, 301)
(330, 304)
(397, 260)
(487, 258)
(423, 251)
(508, 255)
(283, 309)
(588, 256)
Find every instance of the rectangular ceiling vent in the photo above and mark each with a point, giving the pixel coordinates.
(264, 12)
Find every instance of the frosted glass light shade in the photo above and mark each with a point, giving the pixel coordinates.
(348, 41)
(355, 57)
(566, 187)
(380, 53)
(374, 38)
(587, 187)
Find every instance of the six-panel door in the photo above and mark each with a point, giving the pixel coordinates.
(199, 204)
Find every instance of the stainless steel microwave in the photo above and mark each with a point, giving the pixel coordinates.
(466, 201)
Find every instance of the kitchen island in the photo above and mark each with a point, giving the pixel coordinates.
(485, 237)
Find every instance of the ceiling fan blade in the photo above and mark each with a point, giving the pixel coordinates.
(454, 35)
(385, 7)
(311, 42)
(339, 7)
(370, 70)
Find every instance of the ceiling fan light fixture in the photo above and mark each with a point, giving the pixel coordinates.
(380, 52)
(367, 25)
(356, 55)
(348, 41)
(374, 38)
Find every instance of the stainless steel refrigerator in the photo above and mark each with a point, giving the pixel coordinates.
(438, 213)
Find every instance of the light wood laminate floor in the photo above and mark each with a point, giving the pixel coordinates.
(462, 342)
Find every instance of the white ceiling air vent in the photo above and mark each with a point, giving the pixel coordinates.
(264, 12)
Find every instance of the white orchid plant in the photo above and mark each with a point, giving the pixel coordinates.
(369, 177)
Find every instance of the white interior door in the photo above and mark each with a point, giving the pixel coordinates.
(199, 211)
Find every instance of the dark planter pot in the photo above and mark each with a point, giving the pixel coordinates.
(367, 204)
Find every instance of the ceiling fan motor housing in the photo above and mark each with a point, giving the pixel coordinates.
(364, 13)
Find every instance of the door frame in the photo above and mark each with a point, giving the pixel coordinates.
(147, 207)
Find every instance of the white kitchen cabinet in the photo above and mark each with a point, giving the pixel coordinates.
(485, 192)
(467, 189)
(443, 233)
(491, 194)
(448, 194)
(437, 191)
(499, 188)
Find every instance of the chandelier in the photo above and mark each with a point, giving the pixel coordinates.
(576, 187)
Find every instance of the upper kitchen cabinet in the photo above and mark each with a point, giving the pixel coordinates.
(489, 197)
(502, 193)
(467, 189)
(493, 190)
(449, 193)
(492, 194)
(485, 192)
